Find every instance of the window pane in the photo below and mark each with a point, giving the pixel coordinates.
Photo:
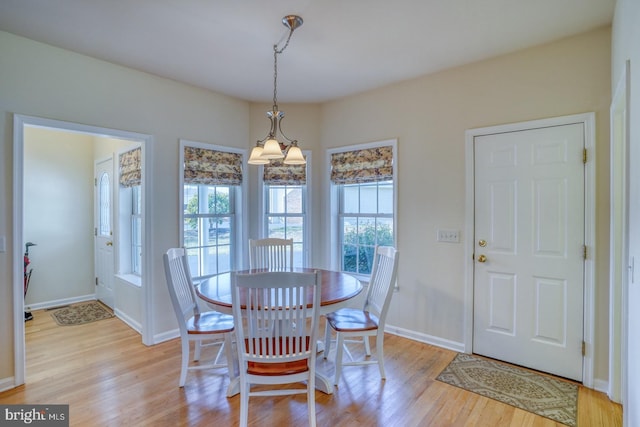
(385, 232)
(218, 200)
(191, 232)
(190, 199)
(294, 228)
(350, 230)
(365, 259)
(276, 227)
(385, 197)
(350, 258)
(369, 198)
(367, 231)
(277, 200)
(294, 200)
(351, 198)
(105, 205)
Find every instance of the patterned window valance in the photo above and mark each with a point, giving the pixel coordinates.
(212, 167)
(130, 168)
(362, 166)
(277, 173)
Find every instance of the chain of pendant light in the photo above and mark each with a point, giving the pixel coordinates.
(276, 52)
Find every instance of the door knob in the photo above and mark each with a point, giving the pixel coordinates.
(482, 243)
(109, 243)
(482, 258)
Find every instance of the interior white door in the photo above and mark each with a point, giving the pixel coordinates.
(104, 260)
(529, 248)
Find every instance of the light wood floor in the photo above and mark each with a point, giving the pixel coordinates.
(109, 378)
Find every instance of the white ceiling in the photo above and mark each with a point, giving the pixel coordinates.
(343, 47)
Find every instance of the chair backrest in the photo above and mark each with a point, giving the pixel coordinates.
(382, 281)
(280, 313)
(181, 290)
(271, 253)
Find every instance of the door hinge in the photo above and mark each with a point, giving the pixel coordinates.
(95, 231)
(584, 155)
(584, 252)
(95, 182)
(584, 348)
(96, 281)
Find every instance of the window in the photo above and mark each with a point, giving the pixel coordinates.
(130, 213)
(285, 206)
(211, 193)
(363, 184)
(136, 230)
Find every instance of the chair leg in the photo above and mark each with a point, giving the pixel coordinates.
(185, 362)
(380, 353)
(231, 360)
(338, 362)
(367, 346)
(196, 352)
(244, 403)
(311, 400)
(327, 340)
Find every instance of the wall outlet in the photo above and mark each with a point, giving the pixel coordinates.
(449, 236)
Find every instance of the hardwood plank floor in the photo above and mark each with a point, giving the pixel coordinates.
(109, 378)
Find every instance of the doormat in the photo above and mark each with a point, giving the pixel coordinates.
(542, 395)
(80, 314)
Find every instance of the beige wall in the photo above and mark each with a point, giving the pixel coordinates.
(58, 214)
(429, 116)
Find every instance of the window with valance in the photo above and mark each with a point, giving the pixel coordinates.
(130, 168)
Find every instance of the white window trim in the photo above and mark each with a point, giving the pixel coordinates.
(240, 204)
(333, 205)
(306, 247)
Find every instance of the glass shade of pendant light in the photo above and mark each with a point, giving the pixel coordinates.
(275, 144)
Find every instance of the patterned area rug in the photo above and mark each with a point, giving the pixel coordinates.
(81, 313)
(542, 395)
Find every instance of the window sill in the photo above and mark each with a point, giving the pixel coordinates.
(130, 279)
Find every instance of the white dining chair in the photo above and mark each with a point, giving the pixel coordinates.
(271, 253)
(357, 325)
(276, 334)
(204, 329)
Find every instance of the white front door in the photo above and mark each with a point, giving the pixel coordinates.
(104, 263)
(529, 248)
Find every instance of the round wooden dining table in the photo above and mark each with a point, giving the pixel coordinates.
(337, 289)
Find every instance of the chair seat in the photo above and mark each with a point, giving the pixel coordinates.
(210, 322)
(349, 319)
(277, 368)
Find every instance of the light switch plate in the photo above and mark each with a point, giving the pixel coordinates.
(449, 236)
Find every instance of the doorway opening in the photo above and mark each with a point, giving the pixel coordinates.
(69, 202)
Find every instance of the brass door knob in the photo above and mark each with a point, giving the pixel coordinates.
(482, 243)
(482, 258)
(109, 243)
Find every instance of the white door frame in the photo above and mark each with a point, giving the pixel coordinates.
(19, 123)
(588, 121)
(620, 265)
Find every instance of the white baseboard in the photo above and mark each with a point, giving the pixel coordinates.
(132, 323)
(166, 336)
(425, 338)
(7, 383)
(59, 302)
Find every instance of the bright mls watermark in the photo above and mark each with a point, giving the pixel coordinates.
(34, 415)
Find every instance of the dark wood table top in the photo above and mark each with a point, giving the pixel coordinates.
(336, 287)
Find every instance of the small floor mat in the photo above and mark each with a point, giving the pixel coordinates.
(540, 394)
(80, 314)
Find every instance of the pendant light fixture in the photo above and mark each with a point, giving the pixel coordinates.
(276, 145)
